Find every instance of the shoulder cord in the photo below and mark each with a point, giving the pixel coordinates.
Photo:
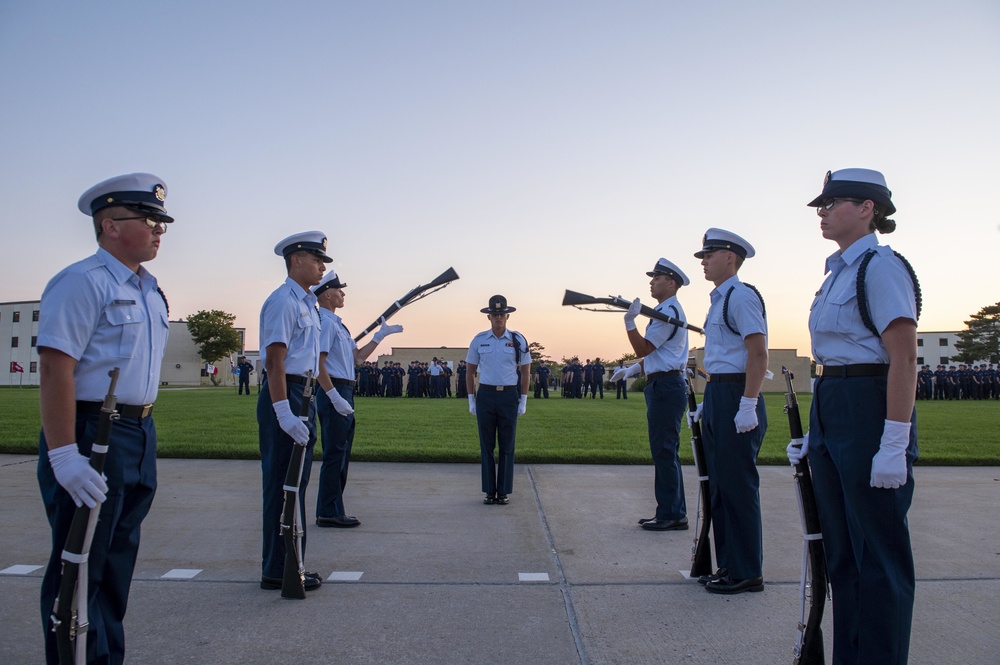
(725, 306)
(677, 315)
(165, 303)
(862, 291)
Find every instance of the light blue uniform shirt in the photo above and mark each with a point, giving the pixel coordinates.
(670, 353)
(496, 358)
(838, 335)
(725, 353)
(338, 345)
(289, 317)
(105, 316)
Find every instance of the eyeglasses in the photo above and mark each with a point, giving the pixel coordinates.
(829, 203)
(149, 221)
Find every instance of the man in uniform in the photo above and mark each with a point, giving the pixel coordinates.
(598, 379)
(542, 380)
(664, 353)
(289, 348)
(734, 416)
(460, 388)
(100, 313)
(339, 353)
(504, 364)
(588, 377)
(621, 385)
(246, 369)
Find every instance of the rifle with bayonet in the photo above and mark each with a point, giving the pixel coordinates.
(422, 291)
(293, 581)
(574, 299)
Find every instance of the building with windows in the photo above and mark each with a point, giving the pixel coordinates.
(938, 348)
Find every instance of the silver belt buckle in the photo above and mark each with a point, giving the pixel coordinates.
(500, 389)
(819, 370)
(146, 410)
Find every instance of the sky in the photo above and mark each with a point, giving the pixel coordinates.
(534, 146)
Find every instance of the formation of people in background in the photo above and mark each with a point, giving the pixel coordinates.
(964, 382)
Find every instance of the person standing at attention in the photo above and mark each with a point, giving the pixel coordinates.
(100, 313)
(504, 364)
(735, 419)
(862, 438)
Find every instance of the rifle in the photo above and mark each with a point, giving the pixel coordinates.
(414, 295)
(701, 551)
(808, 648)
(69, 616)
(293, 581)
(575, 299)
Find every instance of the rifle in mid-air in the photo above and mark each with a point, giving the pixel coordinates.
(808, 648)
(70, 619)
(701, 551)
(415, 294)
(293, 581)
(574, 299)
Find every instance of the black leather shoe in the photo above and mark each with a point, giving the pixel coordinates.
(339, 521)
(502, 499)
(313, 581)
(647, 519)
(490, 499)
(666, 525)
(729, 585)
(705, 579)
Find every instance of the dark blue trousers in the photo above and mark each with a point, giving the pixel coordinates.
(275, 454)
(496, 415)
(731, 459)
(338, 437)
(130, 468)
(865, 531)
(666, 400)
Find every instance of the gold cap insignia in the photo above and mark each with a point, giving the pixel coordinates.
(160, 193)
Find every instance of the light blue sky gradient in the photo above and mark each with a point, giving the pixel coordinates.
(534, 146)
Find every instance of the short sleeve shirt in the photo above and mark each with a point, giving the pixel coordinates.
(671, 342)
(496, 357)
(725, 351)
(290, 317)
(336, 343)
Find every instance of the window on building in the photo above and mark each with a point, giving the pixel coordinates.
(920, 342)
(944, 360)
(920, 360)
(34, 341)
(942, 341)
(34, 315)
(13, 342)
(17, 317)
(33, 368)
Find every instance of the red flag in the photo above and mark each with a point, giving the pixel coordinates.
(15, 368)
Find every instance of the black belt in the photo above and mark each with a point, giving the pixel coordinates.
(342, 382)
(736, 377)
(497, 388)
(124, 410)
(296, 378)
(663, 375)
(845, 371)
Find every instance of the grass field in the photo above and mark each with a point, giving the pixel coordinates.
(216, 423)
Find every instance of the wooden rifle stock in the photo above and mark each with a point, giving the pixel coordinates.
(417, 293)
(701, 552)
(808, 648)
(575, 299)
(293, 580)
(70, 618)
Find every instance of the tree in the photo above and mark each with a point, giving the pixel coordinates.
(981, 341)
(535, 349)
(214, 334)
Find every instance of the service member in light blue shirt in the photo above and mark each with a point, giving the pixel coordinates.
(862, 438)
(664, 352)
(339, 355)
(734, 416)
(104, 312)
(503, 361)
(289, 350)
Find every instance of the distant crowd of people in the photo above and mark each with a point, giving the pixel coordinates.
(423, 379)
(965, 382)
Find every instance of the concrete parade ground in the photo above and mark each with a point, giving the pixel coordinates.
(562, 575)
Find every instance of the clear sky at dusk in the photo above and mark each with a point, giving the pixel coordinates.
(534, 146)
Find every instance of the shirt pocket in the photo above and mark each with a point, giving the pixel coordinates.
(840, 313)
(126, 324)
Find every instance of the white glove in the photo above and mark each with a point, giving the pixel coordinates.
(746, 417)
(381, 334)
(694, 416)
(472, 404)
(626, 372)
(74, 473)
(340, 405)
(522, 405)
(631, 313)
(889, 463)
(797, 449)
(292, 425)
